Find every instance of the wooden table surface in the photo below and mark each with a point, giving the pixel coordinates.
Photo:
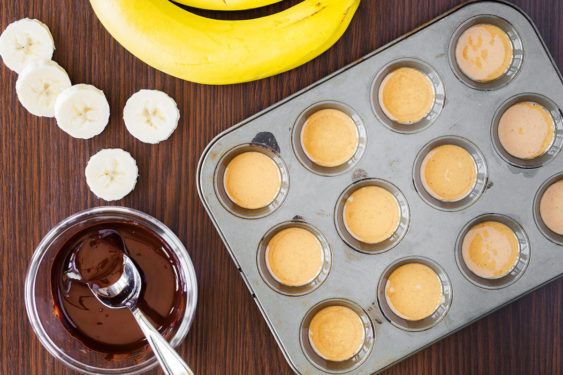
(42, 182)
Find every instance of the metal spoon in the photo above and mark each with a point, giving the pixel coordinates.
(124, 293)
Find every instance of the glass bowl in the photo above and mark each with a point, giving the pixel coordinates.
(40, 306)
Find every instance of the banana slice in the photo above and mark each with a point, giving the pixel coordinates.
(82, 111)
(111, 174)
(38, 86)
(25, 41)
(151, 116)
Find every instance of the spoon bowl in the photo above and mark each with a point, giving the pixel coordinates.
(125, 292)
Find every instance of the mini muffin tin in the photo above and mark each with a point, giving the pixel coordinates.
(430, 231)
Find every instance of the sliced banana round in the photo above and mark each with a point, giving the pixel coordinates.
(25, 41)
(82, 111)
(39, 85)
(111, 174)
(151, 116)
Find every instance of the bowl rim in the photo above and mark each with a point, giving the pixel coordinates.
(186, 266)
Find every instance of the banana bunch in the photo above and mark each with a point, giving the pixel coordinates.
(210, 51)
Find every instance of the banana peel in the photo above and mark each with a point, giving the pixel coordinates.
(218, 52)
(227, 4)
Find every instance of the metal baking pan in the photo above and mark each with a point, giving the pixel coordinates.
(465, 114)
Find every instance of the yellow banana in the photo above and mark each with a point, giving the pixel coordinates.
(211, 51)
(227, 4)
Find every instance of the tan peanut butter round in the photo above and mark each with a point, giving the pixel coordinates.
(448, 173)
(490, 249)
(526, 130)
(252, 180)
(413, 291)
(294, 256)
(484, 52)
(551, 207)
(406, 95)
(329, 137)
(371, 214)
(336, 333)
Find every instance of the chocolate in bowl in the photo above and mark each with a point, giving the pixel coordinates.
(115, 331)
(66, 316)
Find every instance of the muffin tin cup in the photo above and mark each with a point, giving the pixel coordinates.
(517, 269)
(232, 207)
(439, 95)
(330, 366)
(302, 155)
(556, 144)
(436, 316)
(517, 52)
(373, 248)
(548, 233)
(272, 281)
(478, 187)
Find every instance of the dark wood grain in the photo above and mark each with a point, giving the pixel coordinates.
(41, 182)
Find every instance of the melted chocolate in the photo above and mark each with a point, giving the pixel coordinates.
(99, 261)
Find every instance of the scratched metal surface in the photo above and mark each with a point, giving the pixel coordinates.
(390, 156)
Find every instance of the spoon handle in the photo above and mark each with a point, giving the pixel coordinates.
(169, 360)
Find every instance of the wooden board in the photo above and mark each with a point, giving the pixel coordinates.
(42, 182)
